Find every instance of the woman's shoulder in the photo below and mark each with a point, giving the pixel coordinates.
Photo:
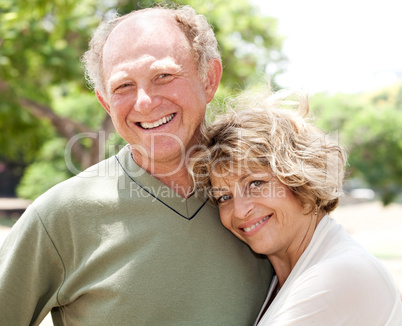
(349, 275)
(347, 287)
(344, 261)
(337, 280)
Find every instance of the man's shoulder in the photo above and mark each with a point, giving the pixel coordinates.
(93, 181)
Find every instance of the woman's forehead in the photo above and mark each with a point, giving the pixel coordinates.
(238, 174)
(240, 168)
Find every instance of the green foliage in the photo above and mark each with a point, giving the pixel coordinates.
(48, 170)
(333, 112)
(21, 134)
(70, 102)
(369, 127)
(376, 135)
(41, 44)
(248, 41)
(39, 177)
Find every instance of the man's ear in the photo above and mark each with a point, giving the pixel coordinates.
(102, 102)
(213, 78)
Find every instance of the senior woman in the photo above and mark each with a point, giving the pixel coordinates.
(275, 178)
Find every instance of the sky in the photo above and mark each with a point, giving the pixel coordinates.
(344, 46)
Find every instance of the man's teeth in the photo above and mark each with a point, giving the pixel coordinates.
(150, 125)
(248, 229)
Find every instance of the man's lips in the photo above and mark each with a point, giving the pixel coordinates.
(156, 124)
(253, 226)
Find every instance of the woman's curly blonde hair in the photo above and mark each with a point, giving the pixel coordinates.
(269, 133)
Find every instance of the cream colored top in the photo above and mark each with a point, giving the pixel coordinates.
(335, 282)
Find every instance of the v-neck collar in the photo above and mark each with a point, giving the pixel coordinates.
(184, 207)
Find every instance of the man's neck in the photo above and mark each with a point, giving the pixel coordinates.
(173, 174)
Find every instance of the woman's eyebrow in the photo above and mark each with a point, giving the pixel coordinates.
(215, 189)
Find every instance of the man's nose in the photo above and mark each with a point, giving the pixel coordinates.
(146, 100)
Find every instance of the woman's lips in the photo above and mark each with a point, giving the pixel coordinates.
(251, 227)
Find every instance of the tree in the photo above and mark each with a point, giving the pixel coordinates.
(369, 126)
(42, 42)
(374, 137)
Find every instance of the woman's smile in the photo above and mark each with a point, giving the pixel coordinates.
(247, 229)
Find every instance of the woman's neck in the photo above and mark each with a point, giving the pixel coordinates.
(284, 262)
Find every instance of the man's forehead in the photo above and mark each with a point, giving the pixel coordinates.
(153, 66)
(150, 36)
(152, 63)
(144, 23)
(159, 33)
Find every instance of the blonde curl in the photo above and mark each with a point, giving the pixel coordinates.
(274, 132)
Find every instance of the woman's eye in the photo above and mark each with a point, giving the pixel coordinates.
(255, 183)
(223, 198)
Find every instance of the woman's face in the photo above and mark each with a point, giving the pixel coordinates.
(262, 212)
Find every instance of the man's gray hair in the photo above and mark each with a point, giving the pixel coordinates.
(196, 28)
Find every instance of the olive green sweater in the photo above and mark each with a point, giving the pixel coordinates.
(114, 246)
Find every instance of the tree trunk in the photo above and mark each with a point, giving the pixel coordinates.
(73, 131)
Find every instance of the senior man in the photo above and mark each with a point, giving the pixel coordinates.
(125, 242)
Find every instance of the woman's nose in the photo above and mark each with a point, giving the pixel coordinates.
(242, 207)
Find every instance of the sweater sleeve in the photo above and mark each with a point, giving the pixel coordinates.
(31, 272)
(337, 293)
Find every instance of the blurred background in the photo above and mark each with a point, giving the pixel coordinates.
(345, 54)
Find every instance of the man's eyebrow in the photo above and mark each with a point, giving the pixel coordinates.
(115, 77)
(163, 64)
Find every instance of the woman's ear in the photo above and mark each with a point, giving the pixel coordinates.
(102, 102)
(213, 78)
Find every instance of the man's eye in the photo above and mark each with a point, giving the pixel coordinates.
(223, 198)
(166, 76)
(123, 86)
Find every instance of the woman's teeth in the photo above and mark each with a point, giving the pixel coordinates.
(248, 229)
(151, 125)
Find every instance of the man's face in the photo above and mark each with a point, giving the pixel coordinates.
(153, 91)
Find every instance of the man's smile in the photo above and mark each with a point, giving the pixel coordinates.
(160, 122)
